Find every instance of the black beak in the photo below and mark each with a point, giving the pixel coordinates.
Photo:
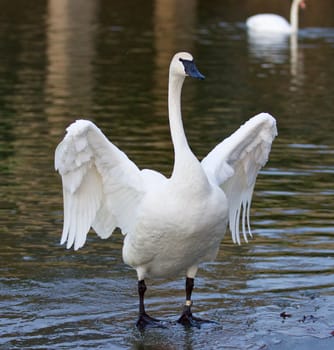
(191, 69)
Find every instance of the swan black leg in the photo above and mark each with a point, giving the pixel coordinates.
(144, 319)
(187, 319)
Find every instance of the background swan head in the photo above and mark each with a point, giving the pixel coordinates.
(183, 65)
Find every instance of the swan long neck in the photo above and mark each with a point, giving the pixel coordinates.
(294, 15)
(175, 118)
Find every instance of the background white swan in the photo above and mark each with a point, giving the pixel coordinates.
(173, 224)
(271, 23)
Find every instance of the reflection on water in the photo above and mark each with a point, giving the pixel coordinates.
(275, 49)
(70, 52)
(269, 48)
(111, 66)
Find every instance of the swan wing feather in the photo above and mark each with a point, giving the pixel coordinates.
(101, 185)
(234, 164)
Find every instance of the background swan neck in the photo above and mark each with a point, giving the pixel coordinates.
(294, 15)
(174, 110)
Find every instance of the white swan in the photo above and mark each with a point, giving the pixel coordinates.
(173, 224)
(270, 23)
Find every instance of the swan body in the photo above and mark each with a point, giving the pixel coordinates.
(173, 224)
(267, 23)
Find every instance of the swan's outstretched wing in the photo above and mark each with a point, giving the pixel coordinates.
(234, 164)
(101, 186)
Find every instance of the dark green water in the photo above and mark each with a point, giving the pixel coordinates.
(107, 61)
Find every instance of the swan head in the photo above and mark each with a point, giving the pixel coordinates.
(302, 4)
(183, 65)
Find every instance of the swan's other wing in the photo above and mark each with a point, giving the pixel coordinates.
(234, 164)
(101, 186)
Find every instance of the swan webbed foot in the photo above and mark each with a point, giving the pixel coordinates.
(188, 320)
(145, 321)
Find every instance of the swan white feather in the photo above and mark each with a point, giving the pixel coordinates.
(102, 187)
(234, 164)
(268, 23)
(170, 225)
